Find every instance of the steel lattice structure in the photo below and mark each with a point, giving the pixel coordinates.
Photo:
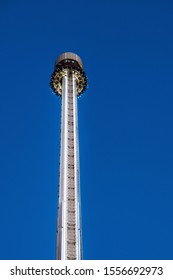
(69, 81)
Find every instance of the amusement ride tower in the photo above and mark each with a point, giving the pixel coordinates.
(69, 81)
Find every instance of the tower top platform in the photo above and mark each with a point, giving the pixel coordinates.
(67, 64)
(69, 56)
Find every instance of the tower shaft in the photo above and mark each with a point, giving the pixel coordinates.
(69, 224)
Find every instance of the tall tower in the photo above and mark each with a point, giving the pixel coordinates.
(69, 81)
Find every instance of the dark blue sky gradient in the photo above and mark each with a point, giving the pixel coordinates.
(125, 126)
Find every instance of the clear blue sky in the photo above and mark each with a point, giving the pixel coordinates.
(125, 126)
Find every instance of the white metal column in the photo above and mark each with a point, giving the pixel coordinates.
(69, 224)
(63, 180)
